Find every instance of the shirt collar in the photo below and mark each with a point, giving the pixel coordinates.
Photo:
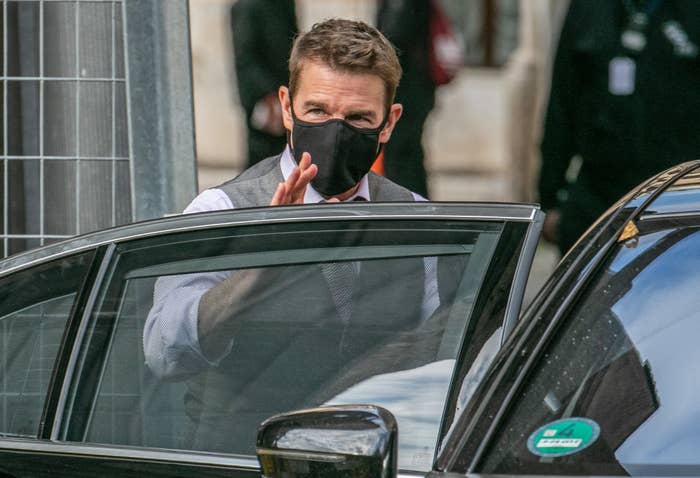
(287, 163)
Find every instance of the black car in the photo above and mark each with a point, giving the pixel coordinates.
(596, 378)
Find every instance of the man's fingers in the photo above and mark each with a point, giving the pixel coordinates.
(293, 189)
(300, 178)
(550, 228)
(299, 189)
(305, 161)
(308, 174)
(293, 178)
(279, 196)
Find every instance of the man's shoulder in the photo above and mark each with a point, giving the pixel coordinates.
(212, 199)
(383, 189)
(262, 168)
(254, 186)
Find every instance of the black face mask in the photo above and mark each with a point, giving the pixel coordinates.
(342, 152)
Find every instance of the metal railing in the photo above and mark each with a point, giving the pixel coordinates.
(86, 100)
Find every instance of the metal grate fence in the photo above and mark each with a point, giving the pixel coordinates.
(65, 161)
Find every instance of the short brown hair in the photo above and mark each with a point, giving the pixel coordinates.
(347, 45)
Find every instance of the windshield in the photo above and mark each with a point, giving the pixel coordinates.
(615, 392)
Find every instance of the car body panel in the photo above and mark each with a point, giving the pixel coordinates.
(18, 457)
(215, 219)
(671, 196)
(670, 200)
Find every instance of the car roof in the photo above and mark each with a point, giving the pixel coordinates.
(250, 216)
(681, 197)
(675, 191)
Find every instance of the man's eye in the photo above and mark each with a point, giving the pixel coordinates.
(358, 120)
(316, 111)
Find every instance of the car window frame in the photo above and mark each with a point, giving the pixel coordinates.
(60, 364)
(125, 249)
(522, 352)
(80, 306)
(496, 276)
(533, 217)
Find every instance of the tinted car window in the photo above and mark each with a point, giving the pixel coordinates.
(415, 287)
(616, 391)
(34, 307)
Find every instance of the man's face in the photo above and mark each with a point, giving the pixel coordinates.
(323, 94)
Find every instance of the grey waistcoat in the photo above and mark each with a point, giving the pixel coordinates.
(275, 366)
(255, 186)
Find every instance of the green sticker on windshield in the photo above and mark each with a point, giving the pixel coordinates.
(563, 437)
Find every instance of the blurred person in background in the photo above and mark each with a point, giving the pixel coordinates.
(406, 23)
(624, 100)
(263, 31)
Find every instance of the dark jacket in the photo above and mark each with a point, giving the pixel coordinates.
(406, 24)
(621, 139)
(263, 31)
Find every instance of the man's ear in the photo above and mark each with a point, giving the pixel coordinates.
(286, 102)
(394, 115)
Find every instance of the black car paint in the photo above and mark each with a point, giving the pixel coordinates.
(461, 451)
(480, 421)
(52, 457)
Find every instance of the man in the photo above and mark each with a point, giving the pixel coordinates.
(338, 112)
(624, 99)
(406, 23)
(262, 32)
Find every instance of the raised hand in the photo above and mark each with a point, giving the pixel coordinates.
(292, 190)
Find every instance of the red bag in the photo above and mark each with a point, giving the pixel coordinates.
(446, 55)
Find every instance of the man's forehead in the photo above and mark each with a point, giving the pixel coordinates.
(320, 83)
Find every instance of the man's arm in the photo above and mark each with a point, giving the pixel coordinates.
(192, 322)
(170, 337)
(220, 306)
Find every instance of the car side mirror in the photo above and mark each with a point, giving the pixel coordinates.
(333, 441)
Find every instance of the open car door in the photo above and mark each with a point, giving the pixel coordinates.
(401, 305)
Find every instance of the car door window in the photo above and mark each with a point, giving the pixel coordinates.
(148, 379)
(35, 305)
(616, 391)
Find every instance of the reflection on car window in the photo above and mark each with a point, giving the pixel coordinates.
(292, 343)
(615, 392)
(34, 307)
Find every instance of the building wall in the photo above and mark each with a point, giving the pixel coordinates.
(480, 140)
(220, 129)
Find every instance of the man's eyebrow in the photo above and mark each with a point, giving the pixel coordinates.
(368, 113)
(308, 104)
(315, 104)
